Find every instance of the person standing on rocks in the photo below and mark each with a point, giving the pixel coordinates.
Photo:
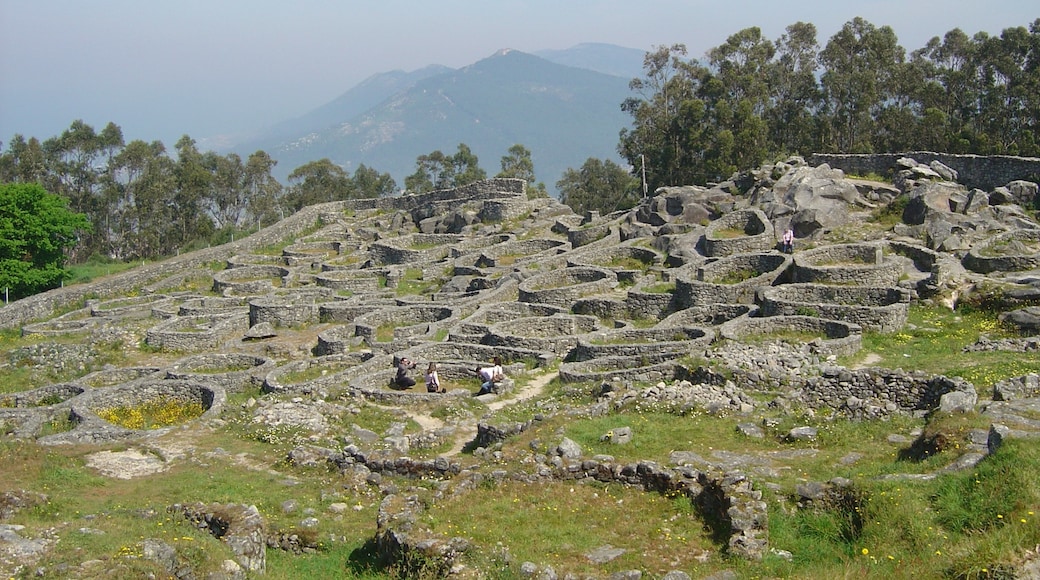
(788, 241)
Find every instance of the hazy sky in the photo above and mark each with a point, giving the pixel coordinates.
(163, 68)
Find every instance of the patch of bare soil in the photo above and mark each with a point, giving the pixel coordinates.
(868, 361)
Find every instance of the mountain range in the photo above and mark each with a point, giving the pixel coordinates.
(563, 105)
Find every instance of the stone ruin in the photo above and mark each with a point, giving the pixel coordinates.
(663, 294)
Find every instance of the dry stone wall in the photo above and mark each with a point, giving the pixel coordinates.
(982, 171)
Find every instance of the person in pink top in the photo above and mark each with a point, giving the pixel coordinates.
(433, 382)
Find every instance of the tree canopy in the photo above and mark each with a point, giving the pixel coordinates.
(751, 99)
(36, 227)
(602, 186)
(439, 171)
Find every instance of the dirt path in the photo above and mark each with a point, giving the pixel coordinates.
(868, 361)
(464, 433)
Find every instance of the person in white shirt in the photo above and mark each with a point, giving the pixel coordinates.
(490, 375)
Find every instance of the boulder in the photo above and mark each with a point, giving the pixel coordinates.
(819, 197)
(1025, 320)
(1023, 192)
(958, 402)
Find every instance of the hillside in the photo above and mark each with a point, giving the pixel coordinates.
(681, 399)
(564, 115)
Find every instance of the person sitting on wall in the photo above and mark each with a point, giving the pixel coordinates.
(490, 376)
(433, 382)
(402, 380)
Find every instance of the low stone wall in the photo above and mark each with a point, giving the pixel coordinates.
(90, 428)
(926, 260)
(315, 375)
(757, 234)
(975, 171)
(479, 353)
(310, 253)
(584, 236)
(41, 396)
(836, 338)
(250, 279)
(118, 376)
(241, 260)
(195, 333)
(516, 252)
(233, 372)
(881, 309)
(853, 264)
(1013, 251)
(556, 334)
(708, 315)
(648, 367)
(413, 248)
(209, 306)
(352, 280)
(617, 258)
(77, 321)
(709, 285)
(348, 310)
(407, 321)
(638, 343)
(287, 310)
(872, 393)
(136, 306)
(564, 287)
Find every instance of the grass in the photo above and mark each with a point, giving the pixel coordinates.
(385, 332)
(313, 371)
(935, 333)
(627, 263)
(729, 233)
(413, 283)
(94, 269)
(661, 288)
(27, 361)
(562, 523)
(736, 276)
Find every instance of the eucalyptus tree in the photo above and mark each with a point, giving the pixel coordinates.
(517, 164)
(796, 94)
(1010, 72)
(743, 66)
(227, 196)
(262, 190)
(860, 64)
(436, 170)
(23, 161)
(318, 182)
(192, 186)
(142, 222)
(369, 183)
(668, 118)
